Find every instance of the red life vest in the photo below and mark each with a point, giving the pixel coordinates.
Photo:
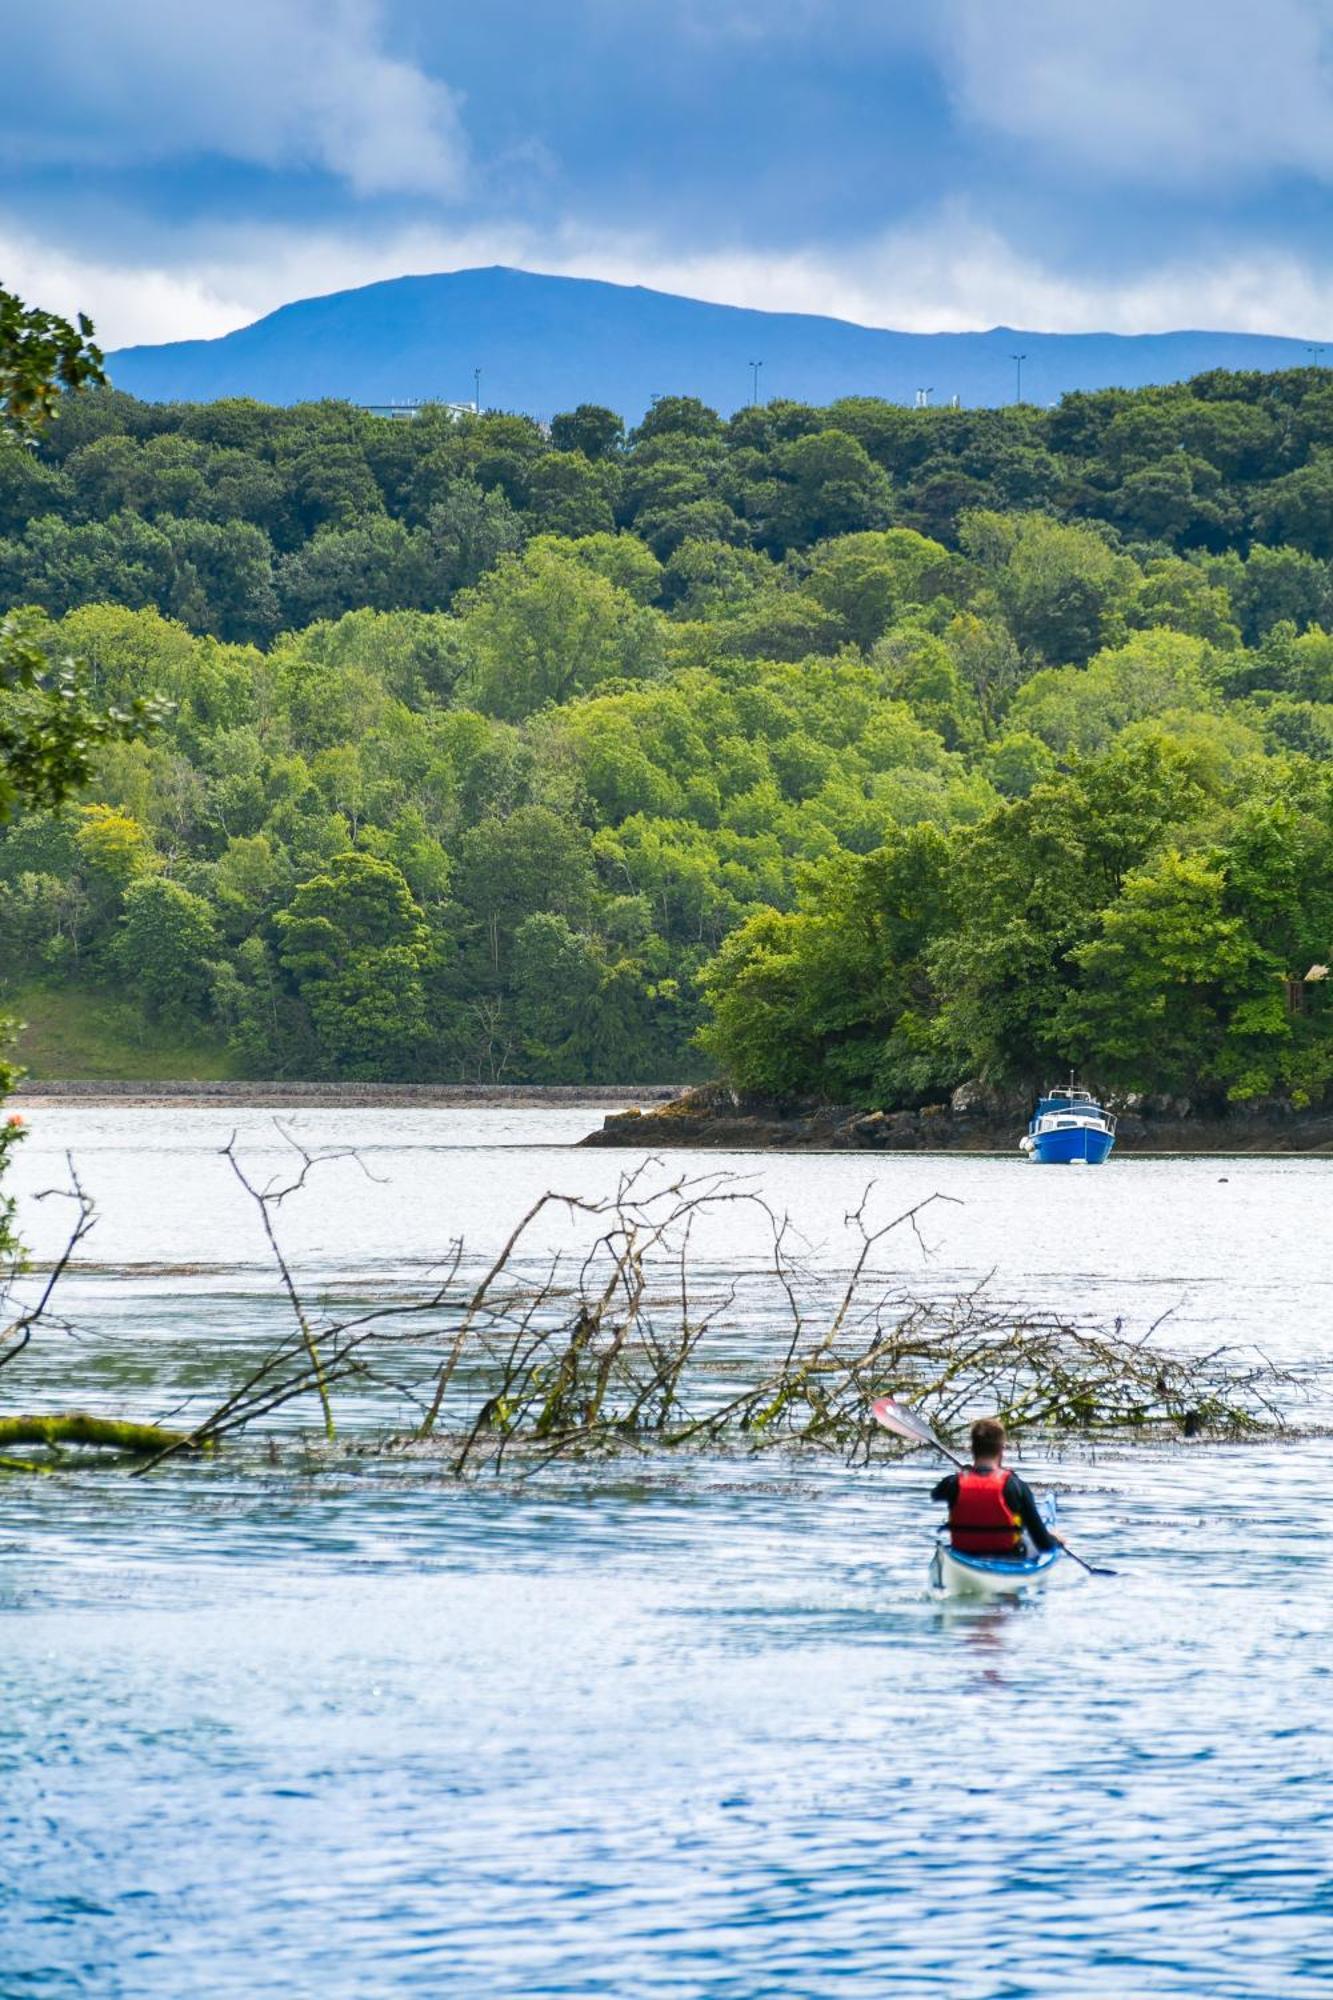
(979, 1522)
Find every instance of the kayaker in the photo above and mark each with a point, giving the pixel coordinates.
(991, 1508)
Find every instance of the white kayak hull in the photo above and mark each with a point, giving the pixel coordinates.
(982, 1576)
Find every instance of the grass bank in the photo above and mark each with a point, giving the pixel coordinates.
(73, 1031)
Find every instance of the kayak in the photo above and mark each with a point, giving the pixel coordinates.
(958, 1575)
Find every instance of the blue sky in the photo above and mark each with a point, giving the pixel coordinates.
(177, 169)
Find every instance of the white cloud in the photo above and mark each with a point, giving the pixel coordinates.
(269, 83)
(1200, 90)
(949, 274)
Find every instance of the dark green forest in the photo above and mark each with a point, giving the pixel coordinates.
(853, 751)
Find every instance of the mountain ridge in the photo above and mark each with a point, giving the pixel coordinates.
(546, 343)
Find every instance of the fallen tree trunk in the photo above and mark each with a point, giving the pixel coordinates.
(105, 1433)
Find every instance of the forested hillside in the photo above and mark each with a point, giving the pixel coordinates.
(856, 750)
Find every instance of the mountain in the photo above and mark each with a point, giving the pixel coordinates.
(545, 344)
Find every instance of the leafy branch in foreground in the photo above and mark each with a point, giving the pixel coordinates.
(41, 356)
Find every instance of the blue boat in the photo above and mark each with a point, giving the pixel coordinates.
(1069, 1129)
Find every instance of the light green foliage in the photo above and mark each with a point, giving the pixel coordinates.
(623, 560)
(50, 729)
(1085, 709)
(1031, 882)
(867, 580)
(544, 627)
(920, 670)
(1059, 585)
(1179, 595)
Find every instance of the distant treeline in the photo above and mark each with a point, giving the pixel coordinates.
(245, 520)
(859, 750)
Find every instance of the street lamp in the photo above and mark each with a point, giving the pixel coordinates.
(1314, 353)
(476, 392)
(1018, 360)
(923, 397)
(755, 366)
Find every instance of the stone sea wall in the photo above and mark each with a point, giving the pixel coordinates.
(296, 1096)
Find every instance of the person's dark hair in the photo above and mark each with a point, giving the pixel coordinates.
(987, 1438)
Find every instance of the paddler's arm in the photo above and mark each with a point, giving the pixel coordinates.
(947, 1490)
(1018, 1497)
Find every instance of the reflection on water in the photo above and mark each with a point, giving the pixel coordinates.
(690, 1730)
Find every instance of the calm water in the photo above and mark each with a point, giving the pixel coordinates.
(683, 1730)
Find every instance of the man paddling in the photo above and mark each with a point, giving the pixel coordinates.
(990, 1507)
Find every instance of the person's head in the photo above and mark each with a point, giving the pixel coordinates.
(988, 1441)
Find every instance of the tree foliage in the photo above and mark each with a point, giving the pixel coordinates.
(857, 751)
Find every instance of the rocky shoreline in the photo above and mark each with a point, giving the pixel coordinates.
(975, 1120)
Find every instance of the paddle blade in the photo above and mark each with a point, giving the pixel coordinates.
(896, 1417)
(1093, 1569)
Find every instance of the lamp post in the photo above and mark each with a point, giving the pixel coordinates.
(755, 366)
(476, 392)
(923, 397)
(1018, 360)
(1314, 354)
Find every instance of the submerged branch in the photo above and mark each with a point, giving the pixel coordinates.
(78, 1428)
(617, 1334)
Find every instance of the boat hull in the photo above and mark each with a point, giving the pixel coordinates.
(982, 1576)
(1071, 1146)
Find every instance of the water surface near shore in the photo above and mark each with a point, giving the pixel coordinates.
(658, 1729)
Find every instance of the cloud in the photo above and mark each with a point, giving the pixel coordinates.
(275, 84)
(1204, 90)
(1071, 164)
(949, 272)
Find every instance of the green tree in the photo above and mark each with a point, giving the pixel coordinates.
(592, 429)
(827, 485)
(1031, 884)
(868, 579)
(514, 868)
(1297, 509)
(164, 947)
(1059, 584)
(1084, 709)
(49, 730)
(357, 947)
(557, 978)
(835, 1000)
(543, 627)
(1175, 993)
(569, 494)
(468, 530)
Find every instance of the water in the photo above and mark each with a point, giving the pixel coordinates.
(685, 1729)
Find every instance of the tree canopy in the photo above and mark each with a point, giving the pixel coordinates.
(855, 751)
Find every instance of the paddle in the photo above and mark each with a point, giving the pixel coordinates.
(897, 1417)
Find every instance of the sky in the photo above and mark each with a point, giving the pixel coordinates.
(176, 168)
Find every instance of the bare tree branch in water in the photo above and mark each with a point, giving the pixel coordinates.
(59, 1429)
(618, 1333)
(15, 1337)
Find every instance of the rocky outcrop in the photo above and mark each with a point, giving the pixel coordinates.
(978, 1118)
